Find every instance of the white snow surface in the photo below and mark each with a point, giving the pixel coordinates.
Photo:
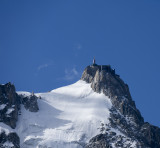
(5, 128)
(68, 117)
(8, 144)
(2, 106)
(10, 110)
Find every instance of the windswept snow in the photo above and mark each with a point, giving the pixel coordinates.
(8, 144)
(24, 93)
(9, 110)
(5, 128)
(68, 117)
(2, 106)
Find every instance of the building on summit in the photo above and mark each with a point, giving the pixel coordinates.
(103, 67)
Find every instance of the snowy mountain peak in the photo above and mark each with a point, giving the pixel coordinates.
(95, 112)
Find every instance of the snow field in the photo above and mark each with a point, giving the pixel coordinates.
(68, 117)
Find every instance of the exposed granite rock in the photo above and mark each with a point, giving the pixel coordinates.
(7, 140)
(30, 103)
(103, 79)
(9, 105)
(124, 117)
(151, 135)
(99, 141)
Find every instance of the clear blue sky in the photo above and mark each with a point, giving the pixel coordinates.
(45, 44)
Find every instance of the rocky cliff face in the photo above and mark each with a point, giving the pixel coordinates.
(10, 140)
(9, 108)
(30, 102)
(10, 103)
(125, 117)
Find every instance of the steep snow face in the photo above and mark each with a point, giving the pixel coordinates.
(68, 117)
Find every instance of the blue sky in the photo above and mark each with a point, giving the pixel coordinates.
(46, 44)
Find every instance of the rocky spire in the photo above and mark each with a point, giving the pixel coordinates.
(124, 116)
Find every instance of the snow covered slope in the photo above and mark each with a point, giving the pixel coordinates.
(68, 117)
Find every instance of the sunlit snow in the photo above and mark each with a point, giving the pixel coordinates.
(2, 106)
(10, 110)
(68, 117)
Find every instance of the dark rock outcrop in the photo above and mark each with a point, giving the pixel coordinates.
(30, 103)
(124, 116)
(151, 135)
(99, 141)
(9, 105)
(10, 140)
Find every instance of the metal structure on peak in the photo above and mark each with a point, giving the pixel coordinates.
(106, 68)
(94, 61)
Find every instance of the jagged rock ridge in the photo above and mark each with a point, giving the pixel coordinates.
(9, 105)
(10, 108)
(124, 115)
